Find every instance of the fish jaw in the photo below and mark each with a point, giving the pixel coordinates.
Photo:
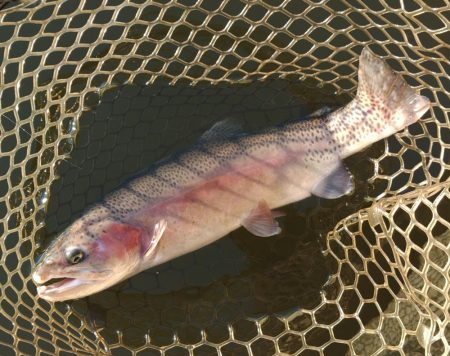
(66, 289)
(76, 287)
(69, 283)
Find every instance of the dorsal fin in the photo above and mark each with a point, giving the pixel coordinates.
(222, 129)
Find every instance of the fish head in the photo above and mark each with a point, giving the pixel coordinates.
(88, 257)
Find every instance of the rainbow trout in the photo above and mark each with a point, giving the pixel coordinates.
(226, 181)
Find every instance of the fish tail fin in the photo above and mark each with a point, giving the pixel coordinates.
(384, 104)
(377, 81)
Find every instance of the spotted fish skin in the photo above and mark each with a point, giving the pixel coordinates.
(195, 198)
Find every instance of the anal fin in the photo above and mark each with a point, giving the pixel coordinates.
(261, 221)
(336, 184)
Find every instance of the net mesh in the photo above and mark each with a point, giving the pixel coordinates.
(388, 281)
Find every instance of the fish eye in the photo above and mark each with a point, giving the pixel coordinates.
(75, 256)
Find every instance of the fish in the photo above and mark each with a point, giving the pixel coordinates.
(228, 179)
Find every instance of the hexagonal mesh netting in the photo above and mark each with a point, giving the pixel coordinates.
(110, 84)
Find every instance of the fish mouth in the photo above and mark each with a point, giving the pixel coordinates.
(56, 282)
(61, 288)
(57, 286)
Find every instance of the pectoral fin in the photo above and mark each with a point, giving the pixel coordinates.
(158, 232)
(338, 183)
(261, 221)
